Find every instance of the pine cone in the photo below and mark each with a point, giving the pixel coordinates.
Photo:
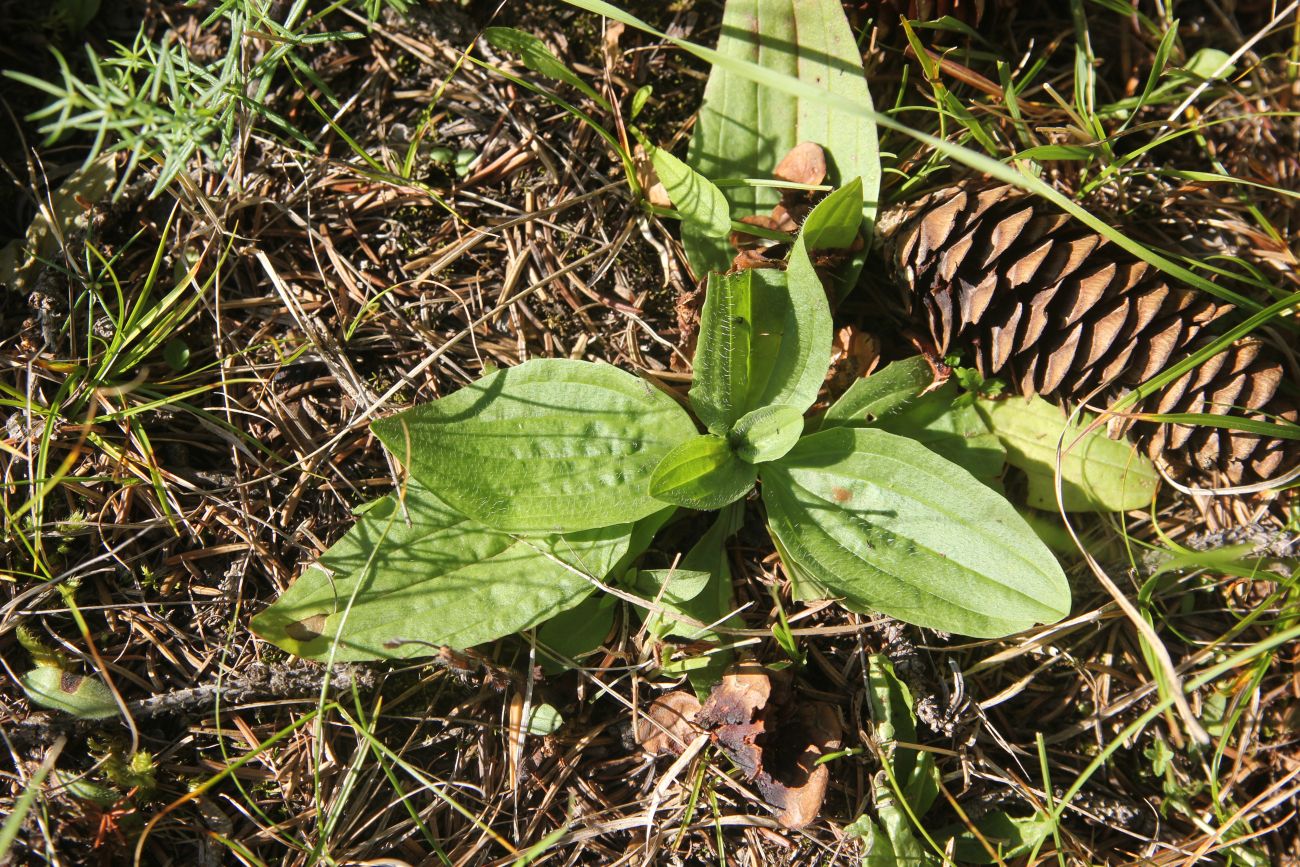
(1057, 310)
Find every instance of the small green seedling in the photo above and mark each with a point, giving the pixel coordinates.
(532, 486)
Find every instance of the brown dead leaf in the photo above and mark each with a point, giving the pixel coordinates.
(746, 260)
(804, 164)
(783, 220)
(792, 781)
(854, 354)
(668, 724)
(738, 699)
(613, 33)
(648, 179)
(744, 241)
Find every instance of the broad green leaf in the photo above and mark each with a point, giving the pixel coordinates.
(405, 581)
(895, 399)
(1210, 63)
(702, 473)
(700, 204)
(764, 340)
(549, 446)
(673, 589)
(1097, 473)
(880, 394)
(537, 57)
(544, 720)
(83, 697)
(576, 632)
(639, 100)
(767, 433)
(877, 850)
(799, 358)
(952, 430)
(711, 605)
(1009, 836)
(744, 128)
(720, 385)
(834, 223)
(893, 527)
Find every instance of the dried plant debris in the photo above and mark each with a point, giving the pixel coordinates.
(774, 741)
(668, 725)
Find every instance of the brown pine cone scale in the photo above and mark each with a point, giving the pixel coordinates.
(1056, 309)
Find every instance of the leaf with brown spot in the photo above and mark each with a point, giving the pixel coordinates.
(669, 724)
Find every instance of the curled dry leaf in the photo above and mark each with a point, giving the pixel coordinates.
(793, 782)
(804, 164)
(648, 179)
(669, 724)
(743, 692)
(854, 354)
(771, 740)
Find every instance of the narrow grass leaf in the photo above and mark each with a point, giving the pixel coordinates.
(537, 57)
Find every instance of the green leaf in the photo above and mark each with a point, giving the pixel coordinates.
(800, 358)
(834, 223)
(891, 709)
(879, 394)
(877, 850)
(639, 100)
(702, 473)
(551, 445)
(767, 433)
(744, 129)
(763, 341)
(700, 203)
(723, 354)
(895, 528)
(710, 605)
(402, 583)
(83, 697)
(544, 720)
(1010, 837)
(1097, 473)
(1210, 63)
(537, 57)
(576, 632)
(953, 431)
(672, 589)
(895, 399)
